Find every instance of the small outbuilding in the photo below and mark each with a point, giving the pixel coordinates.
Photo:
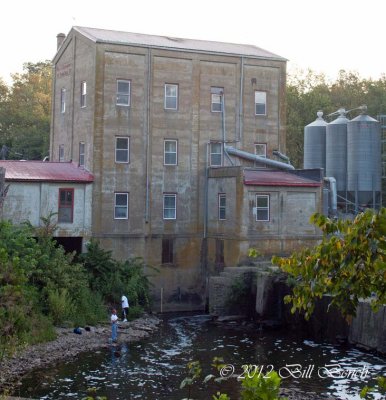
(37, 189)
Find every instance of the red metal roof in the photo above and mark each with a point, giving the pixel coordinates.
(44, 171)
(276, 178)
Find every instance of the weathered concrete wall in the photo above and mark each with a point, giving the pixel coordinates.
(32, 201)
(220, 287)
(287, 230)
(368, 328)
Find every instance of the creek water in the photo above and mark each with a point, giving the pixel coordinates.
(154, 368)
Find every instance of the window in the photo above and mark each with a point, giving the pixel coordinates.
(121, 149)
(167, 251)
(217, 95)
(220, 260)
(66, 205)
(171, 96)
(170, 152)
(261, 149)
(262, 207)
(63, 100)
(81, 154)
(260, 103)
(123, 92)
(83, 93)
(216, 154)
(222, 206)
(170, 206)
(61, 152)
(121, 207)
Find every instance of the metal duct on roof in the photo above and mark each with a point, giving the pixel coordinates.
(254, 157)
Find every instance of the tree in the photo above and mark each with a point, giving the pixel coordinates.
(25, 112)
(307, 93)
(348, 264)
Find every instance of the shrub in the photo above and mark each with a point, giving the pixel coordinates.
(135, 312)
(61, 305)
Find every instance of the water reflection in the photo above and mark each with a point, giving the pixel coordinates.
(154, 368)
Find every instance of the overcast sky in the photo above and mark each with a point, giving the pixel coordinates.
(325, 35)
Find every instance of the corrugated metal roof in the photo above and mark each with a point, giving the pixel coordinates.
(276, 178)
(140, 39)
(44, 171)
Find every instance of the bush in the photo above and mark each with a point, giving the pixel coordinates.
(61, 305)
(135, 312)
(89, 308)
(261, 387)
(112, 278)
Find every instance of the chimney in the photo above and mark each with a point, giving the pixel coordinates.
(59, 40)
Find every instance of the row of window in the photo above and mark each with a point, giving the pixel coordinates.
(121, 206)
(123, 97)
(122, 151)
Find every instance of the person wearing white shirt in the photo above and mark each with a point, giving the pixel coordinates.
(125, 308)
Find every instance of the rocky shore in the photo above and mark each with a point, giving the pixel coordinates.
(67, 345)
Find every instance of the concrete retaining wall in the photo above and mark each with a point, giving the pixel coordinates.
(368, 329)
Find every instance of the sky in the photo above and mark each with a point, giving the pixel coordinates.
(325, 36)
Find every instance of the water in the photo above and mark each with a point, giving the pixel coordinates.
(155, 367)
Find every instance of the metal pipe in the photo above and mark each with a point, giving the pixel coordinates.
(223, 128)
(262, 160)
(241, 100)
(333, 194)
(281, 155)
(147, 137)
(206, 191)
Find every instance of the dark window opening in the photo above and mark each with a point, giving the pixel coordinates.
(70, 244)
(219, 254)
(167, 251)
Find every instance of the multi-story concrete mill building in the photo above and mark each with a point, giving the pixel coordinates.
(176, 133)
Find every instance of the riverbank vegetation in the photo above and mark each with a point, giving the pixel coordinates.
(42, 286)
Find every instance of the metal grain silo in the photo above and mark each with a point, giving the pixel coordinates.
(336, 152)
(364, 160)
(315, 143)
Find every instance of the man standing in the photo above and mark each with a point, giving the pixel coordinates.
(125, 308)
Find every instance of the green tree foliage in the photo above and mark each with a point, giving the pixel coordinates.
(254, 386)
(40, 284)
(112, 278)
(21, 320)
(348, 264)
(307, 93)
(261, 387)
(25, 109)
